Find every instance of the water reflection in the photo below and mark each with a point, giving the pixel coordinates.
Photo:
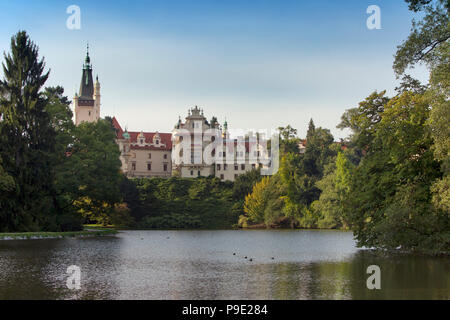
(201, 265)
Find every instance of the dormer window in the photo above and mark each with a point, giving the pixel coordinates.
(141, 138)
(156, 139)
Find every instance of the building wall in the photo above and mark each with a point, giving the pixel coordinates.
(230, 172)
(85, 114)
(140, 159)
(193, 171)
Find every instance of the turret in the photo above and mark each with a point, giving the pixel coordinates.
(97, 97)
(87, 102)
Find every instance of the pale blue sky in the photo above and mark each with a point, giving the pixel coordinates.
(260, 64)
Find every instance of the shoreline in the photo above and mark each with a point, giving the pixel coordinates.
(56, 235)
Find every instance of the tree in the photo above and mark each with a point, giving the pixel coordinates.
(287, 132)
(427, 36)
(289, 141)
(91, 176)
(429, 43)
(263, 205)
(58, 108)
(311, 129)
(243, 184)
(363, 119)
(389, 200)
(26, 137)
(6, 182)
(335, 187)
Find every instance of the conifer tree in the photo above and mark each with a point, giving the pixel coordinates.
(26, 136)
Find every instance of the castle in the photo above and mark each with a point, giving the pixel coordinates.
(155, 154)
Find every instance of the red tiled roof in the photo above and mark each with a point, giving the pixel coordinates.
(118, 128)
(166, 138)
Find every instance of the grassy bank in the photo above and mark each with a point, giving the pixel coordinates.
(51, 235)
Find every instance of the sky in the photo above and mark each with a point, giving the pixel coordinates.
(258, 64)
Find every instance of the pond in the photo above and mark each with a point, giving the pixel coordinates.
(300, 264)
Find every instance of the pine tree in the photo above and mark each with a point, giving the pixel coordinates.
(311, 130)
(26, 136)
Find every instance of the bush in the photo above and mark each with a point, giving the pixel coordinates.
(121, 217)
(172, 221)
(70, 222)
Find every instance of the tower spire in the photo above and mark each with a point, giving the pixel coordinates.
(87, 61)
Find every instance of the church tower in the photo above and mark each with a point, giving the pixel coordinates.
(87, 101)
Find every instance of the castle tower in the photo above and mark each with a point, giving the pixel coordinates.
(87, 101)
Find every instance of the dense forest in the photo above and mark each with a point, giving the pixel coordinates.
(388, 181)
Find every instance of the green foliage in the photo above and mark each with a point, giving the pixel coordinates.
(389, 203)
(244, 183)
(26, 139)
(70, 222)
(121, 217)
(6, 182)
(89, 177)
(256, 202)
(172, 221)
(285, 198)
(182, 203)
(335, 187)
(288, 139)
(50, 170)
(426, 37)
(363, 119)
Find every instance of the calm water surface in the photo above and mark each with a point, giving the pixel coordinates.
(201, 265)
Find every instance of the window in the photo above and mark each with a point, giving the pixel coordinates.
(133, 166)
(165, 156)
(192, 173)
(218, 167)
(142, 141)
(235, 176)
(89, 113)
(149, 155)
(225, 166)
(213, 138)
(236, 167)
(221, 177)
(242, 166)
(198, 173)
(149, 166)
(157, 141)
(165, 166)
